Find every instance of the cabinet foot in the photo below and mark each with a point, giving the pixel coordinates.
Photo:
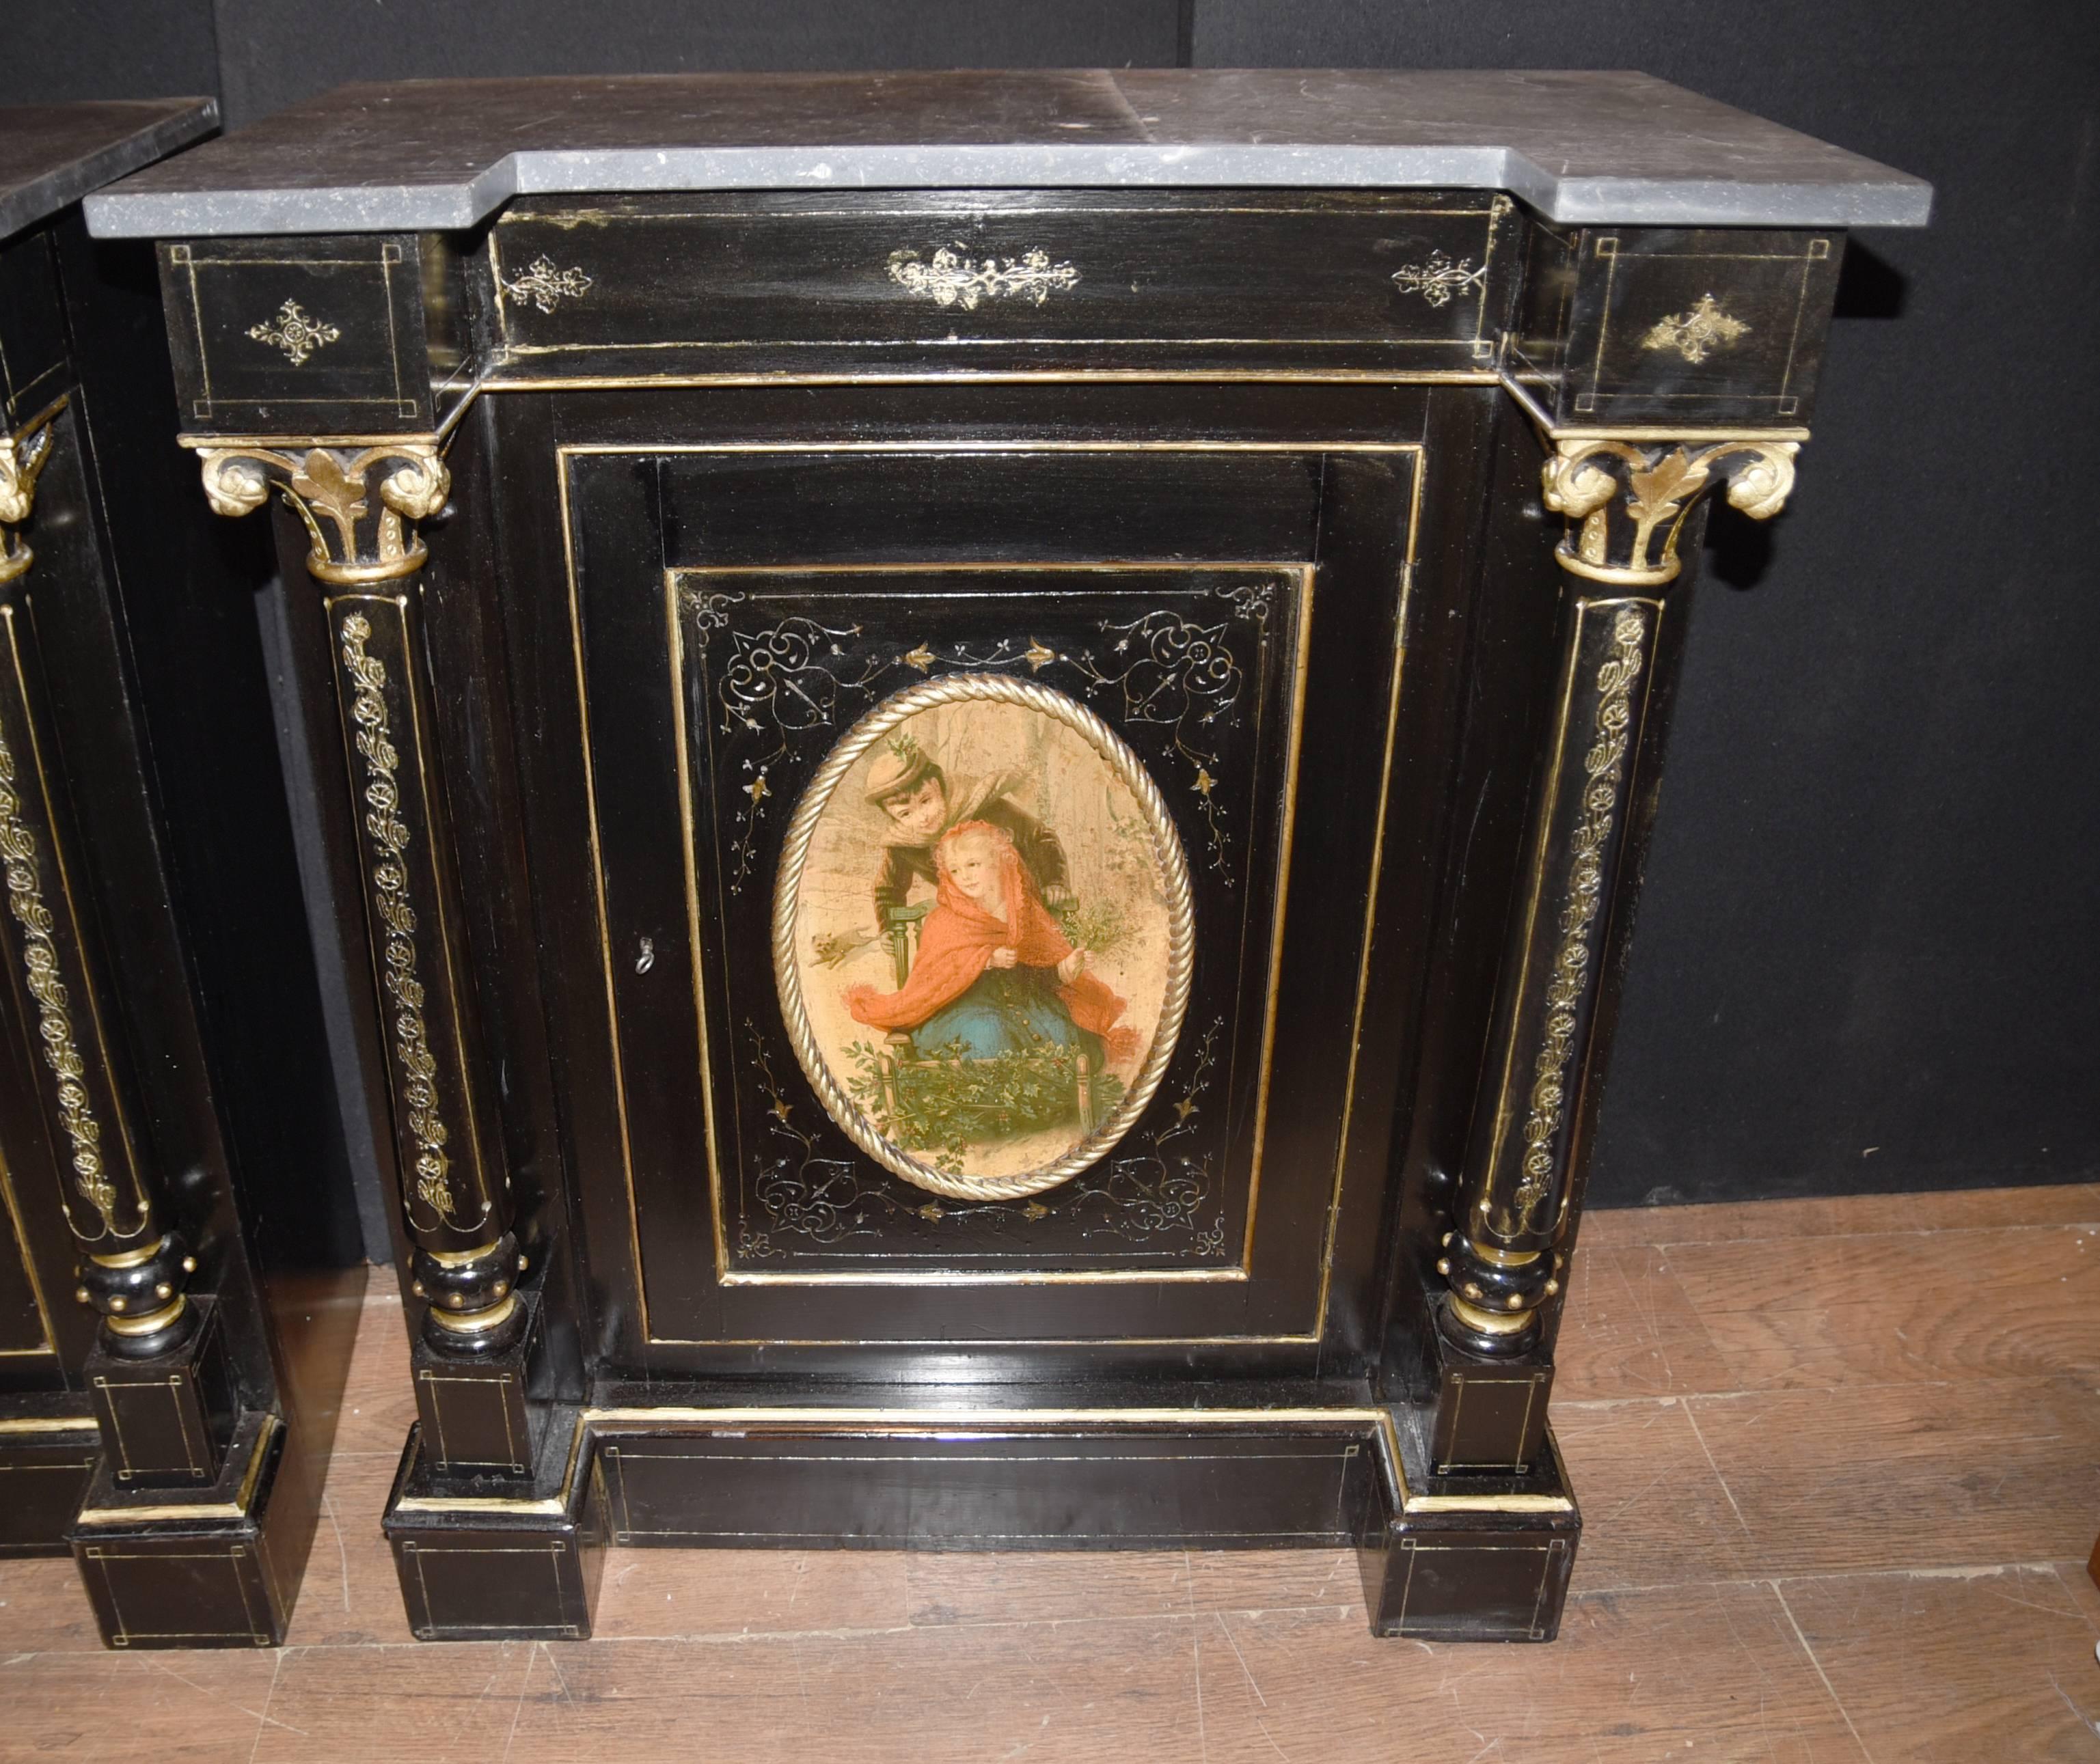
(483, 1558)
(192, 1568)
(1471, 1559)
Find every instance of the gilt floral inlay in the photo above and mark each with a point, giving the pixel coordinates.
(547, 286)
(40, 962)
(950, 279)
(1695, 334)
(294, 332)
(796, 676)
(1604, 779)
(416, 1066)
(1439, 279)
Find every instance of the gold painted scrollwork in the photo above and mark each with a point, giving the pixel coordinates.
(950, 279)
(293, 332)
(1630, 498)
(356, 503)
(1697, 333)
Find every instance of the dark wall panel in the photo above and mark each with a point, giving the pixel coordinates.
(278, 51)
(1868, 957)
(56, 51)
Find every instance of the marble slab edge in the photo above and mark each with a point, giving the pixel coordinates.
(179, 123)
(454, 205)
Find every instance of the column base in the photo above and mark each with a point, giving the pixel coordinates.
(1470, 1558)
(168, 1420)
(486, 1558)
(1476, 1415)
(167, 1567)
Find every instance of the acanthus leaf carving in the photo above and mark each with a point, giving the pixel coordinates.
(1626, 499)
(357, 504)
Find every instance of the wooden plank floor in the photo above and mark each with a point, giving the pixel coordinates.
(1841, 1465)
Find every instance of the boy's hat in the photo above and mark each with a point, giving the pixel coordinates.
(901, 766)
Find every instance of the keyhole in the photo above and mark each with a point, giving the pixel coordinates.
(647, 959)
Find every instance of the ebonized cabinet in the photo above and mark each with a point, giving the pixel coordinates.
(180, 1268)
(992, 736)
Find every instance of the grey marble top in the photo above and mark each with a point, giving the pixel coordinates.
(52, 154)
(1619, 148)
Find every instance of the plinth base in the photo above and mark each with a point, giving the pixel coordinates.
(183, 1568)
(1471, 1559)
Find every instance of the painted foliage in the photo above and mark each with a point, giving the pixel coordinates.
(982, 935)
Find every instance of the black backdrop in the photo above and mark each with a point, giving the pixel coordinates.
(1870, 956)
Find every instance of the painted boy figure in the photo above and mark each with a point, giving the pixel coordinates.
(922, 803)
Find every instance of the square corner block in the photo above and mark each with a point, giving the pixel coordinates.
(190, 1568)
(477, 1412)
(166, 1422)
(1679, 326)
(1468, 1559)
(1488, 1418)
(501, 1567)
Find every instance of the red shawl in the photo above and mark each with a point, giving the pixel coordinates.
(955, 944)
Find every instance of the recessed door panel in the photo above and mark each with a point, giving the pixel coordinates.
(982, 848)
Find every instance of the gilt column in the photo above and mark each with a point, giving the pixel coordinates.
(132, 1270)
(358, 504)
(1624, 502)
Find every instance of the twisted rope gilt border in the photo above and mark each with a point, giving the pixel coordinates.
(1181, 932)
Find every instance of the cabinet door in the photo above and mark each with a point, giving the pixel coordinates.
(983, 845)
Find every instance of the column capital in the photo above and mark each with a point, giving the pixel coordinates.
(1625, 497)
(356, 498)
(24, 455)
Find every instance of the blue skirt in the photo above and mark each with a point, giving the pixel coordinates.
(1007, 1010)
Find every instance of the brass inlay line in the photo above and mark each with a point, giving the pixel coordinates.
(1367, 339)
(965, 1421)
(49, 1338)
(1001, 377)
(48, 1424)
(1286, 850)
(238, 1507)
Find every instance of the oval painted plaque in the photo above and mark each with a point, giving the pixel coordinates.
(982, 935)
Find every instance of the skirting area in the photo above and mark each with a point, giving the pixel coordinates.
(1840, 1464)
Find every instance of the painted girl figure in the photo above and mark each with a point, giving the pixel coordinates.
(992, 972)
